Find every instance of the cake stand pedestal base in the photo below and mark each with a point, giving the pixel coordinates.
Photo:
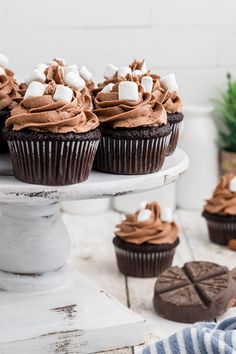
(75, 318)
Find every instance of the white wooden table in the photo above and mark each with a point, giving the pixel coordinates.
(92, 253)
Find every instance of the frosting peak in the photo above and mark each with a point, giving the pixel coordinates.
(152, 231)
(223, 201)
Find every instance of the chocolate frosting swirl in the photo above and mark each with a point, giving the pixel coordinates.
(8, 90)
(223, 201)
(129, 114)
(43, 114)
(152, 231)
(170, 100)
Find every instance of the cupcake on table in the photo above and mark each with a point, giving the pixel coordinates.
(8, 95)
(145, 241)
(52, 133)
(220, 212)
(134, 128)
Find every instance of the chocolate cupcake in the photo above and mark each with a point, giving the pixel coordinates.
(8, 94)
(145, 241)
(52, 134)
(134, 130)
(220, 211)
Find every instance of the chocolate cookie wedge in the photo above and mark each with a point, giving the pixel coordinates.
(199, 291)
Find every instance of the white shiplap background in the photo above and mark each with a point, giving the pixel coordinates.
(196, 39)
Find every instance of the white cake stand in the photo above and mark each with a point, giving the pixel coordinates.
(45, 306)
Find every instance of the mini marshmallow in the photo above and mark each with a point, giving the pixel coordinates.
(137, 72)
(36, 75)
(75, 81)
(42, 67)
(124, 70)
(2, 71)
(147, 83)
(232, 185)
(3, 61)
(169, 82)
(166, 214)
(144, 67)
(35, 89)
(143, 205)
(128, 90)
(85, 73)
(107, 88)
(71, 68)
(63, 93)
(144, 215)
(110, 71)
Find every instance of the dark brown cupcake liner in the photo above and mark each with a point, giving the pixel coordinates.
(133, 155)
(142, 263)
(221, 228)
(175, 122)
(42, 160)
(4, 114)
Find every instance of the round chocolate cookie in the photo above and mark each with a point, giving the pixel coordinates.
(199, 291)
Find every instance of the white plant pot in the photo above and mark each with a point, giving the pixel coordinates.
(165, 196)
(82, 207)
(199, 140)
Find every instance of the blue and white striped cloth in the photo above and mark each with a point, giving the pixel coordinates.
(201, 338)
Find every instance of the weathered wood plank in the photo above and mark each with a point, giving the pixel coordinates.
(93, 254)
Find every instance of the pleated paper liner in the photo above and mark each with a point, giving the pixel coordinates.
(4, 114)
(132, 151)
(221, 228)
(174, 120)
(143, 261)
(52, 159)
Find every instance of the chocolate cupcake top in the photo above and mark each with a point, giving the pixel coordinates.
(8, 90)
(223, 201)
(125, 113)
(50, 112)
(147, 226)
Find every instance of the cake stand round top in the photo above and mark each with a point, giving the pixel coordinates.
(99, 185)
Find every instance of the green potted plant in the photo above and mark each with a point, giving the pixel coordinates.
(226, 117)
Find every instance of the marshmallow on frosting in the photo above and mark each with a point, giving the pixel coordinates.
(107, 88)
(71, 68)
(36, 75)
(166, 214)
(124, 70)
(35, 89)
(144, 215)
(147, 83)
(137, 72)
(110, 71)
(75, 81)
(63, 93)
(128, 90)
(169, 83)
(85, 73)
